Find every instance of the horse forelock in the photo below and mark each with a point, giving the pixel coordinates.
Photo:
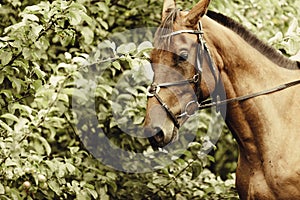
(165, 28)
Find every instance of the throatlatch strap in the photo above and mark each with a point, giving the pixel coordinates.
(209, 103)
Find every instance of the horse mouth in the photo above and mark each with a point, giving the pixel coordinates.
(161, 139)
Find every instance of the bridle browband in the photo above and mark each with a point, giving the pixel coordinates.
(203, 51)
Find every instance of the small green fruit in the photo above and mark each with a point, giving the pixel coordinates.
(26, 184)
(27, 170)
(41, 178)
(44, 186)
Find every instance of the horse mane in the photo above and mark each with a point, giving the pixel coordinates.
(270, 52)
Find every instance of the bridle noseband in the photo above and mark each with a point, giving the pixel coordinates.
(203, 52)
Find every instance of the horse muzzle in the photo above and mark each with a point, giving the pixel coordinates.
(160, 137)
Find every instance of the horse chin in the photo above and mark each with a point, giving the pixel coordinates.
(174, 135)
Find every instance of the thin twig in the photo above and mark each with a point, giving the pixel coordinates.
(177, 175)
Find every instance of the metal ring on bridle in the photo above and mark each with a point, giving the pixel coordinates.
(152, 90)
(196, 78)
(187, 111)
(191, 112)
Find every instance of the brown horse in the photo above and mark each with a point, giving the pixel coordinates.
(262, 95)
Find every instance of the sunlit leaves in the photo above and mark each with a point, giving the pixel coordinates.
(45, 49)
(10, 117)
(5, 126)
(126, 48)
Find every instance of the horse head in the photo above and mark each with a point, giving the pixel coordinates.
(183, 72)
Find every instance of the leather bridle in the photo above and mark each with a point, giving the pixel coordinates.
(203, 52)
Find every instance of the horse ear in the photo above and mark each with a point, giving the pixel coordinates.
(168, 4)
(198, 11)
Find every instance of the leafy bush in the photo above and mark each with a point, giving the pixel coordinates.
(55, 57)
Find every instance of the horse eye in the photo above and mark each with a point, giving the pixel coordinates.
(183, 56)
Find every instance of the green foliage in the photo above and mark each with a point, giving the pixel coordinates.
(46, 48)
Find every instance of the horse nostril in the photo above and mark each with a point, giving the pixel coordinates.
(156, 138)
(159, 136)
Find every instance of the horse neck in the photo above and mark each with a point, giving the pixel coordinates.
(244, 70)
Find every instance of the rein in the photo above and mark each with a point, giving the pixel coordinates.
(209, 103)
(192, 106)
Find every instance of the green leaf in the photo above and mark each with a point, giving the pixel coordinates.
(138, 120)
(108, 44)
(10, 116)
(103, 7)
(196, 169)
(32, 8)
(103, 23)
(88, 35)
(74, 17)
(117, 65)
(11, 162)
(1, 78)
(54, 80)
(31, 17)
(16, 83)
(14, 27)
(111, 175)
(45, 144)
(68, 37)
(126, 48)
(6, 57)
(78, 6)
(144, 46)
(38, 71)
(36, 84)
(37, 29)
(7, 94)
(63, 97)
(93, 193)
(2, 190)
(5, 126)
(27, 53)
(82, 195)
(292, 28)
(278, 37)
(74, 150)
(68, 91)
(21, 123)
(20, 107)
(54, 186)
(70, 167)
(294, 57)
(107, 88)
(88, 19)
(211, 158)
